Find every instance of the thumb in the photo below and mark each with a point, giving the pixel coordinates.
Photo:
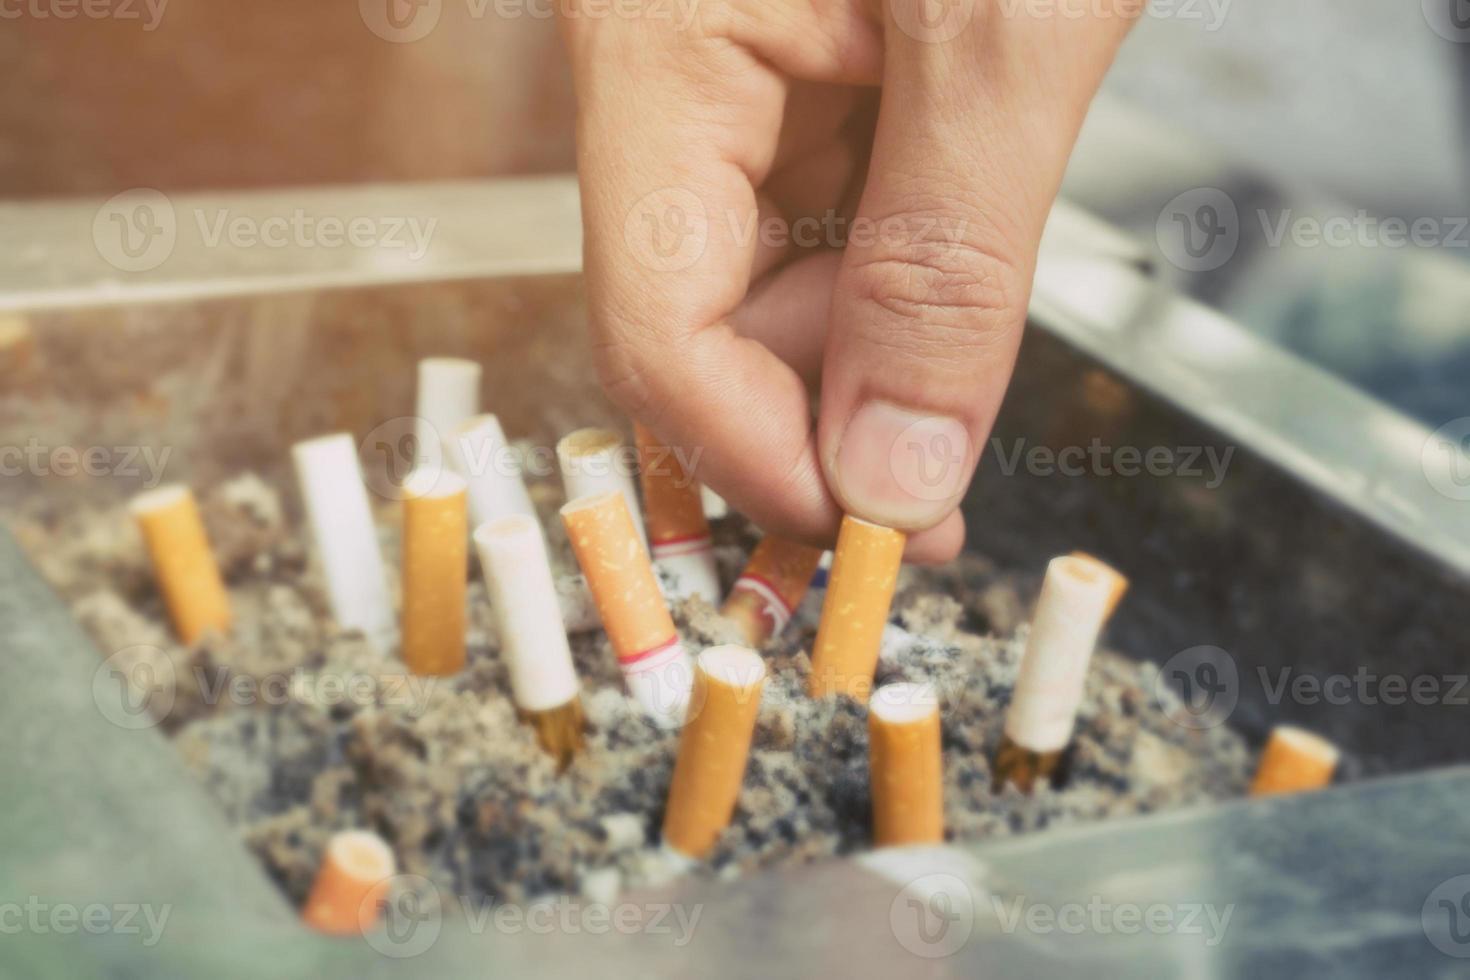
(979, 110)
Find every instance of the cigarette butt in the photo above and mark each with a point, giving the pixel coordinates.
(341, 520)
(1069, 615)
(638, 624)
(713, 748)
(448, 395)
(187, 573)
(479, 453)
(533, 641)
(596, 461)
(905, 766)
(1118, 579)
(353, 880)
(765, 596)
(435, 564)
(677, 529)
(1294, 760)
(558, 730)
(1022, 767)
(859, 592)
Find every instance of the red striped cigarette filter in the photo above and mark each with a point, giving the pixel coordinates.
(765, 596)
(673, 511)
(610, 551)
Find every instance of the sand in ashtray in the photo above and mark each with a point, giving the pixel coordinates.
(298, 730)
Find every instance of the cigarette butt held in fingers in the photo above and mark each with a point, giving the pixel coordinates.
(533, 641)
(859, 591)
(1294, 760)
(187, 574)
(905, 765)
(341, 520)
(596, 461)
(448, 394)
(1076, 597)
(1119, 580)
(713, 748)
(765, 596)
(478, 451)
(435, 566)
(678, 531)
(612, 557)
(351, 883)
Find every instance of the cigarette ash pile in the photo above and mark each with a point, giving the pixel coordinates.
(298, 729)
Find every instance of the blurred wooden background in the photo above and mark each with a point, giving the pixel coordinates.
(195, 94)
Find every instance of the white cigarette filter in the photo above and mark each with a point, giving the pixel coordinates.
(527, 612)
(597, 461)
(479, 453)
(677, 528)
(448, 395)
(341, 520)
(1075, 600)
(654, 662)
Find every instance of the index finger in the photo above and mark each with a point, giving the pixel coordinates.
(669, 162)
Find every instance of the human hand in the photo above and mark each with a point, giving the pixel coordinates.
(780, 194)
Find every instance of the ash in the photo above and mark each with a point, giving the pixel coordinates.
(298, 729)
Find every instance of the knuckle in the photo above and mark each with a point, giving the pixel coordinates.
(968, 286)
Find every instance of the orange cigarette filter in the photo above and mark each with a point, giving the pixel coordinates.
(673, 512)
(435, 567)
(859, 592)
(766, 595)
(713, 748)
(183, 563)
(610, 552)
(1294, 760)
(905, 767)
(1119, 581)
(672, 507)
(353, 880)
